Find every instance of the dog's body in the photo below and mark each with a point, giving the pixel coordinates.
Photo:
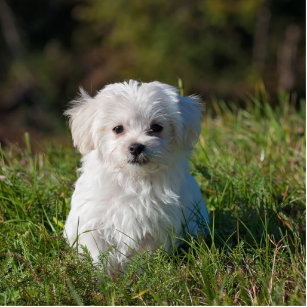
(135, 192)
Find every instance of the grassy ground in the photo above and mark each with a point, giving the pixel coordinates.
(250, 165)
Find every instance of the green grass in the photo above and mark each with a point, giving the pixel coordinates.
(250, 164)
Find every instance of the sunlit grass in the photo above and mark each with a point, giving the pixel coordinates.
(250, 164)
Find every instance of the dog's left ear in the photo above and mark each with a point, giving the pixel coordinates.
(81, 119)
(190, 110)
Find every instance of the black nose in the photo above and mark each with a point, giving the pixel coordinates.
(136, 148)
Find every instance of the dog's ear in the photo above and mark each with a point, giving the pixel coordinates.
(81, 117)
(187, 116)
(190, 110)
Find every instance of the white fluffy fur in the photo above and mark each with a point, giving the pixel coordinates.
(134, 207)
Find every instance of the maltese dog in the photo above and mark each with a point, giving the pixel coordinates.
(135, 192)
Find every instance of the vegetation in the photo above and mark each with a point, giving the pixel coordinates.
(250, 164)
(221, 48)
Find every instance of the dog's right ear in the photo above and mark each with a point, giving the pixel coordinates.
(81, 117)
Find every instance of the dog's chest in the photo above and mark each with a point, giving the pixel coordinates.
(137, 213)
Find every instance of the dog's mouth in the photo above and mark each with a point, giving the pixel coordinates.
(140, 160)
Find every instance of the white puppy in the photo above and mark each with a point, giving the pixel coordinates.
(135, 192)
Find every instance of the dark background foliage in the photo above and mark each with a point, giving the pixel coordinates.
(223, 49)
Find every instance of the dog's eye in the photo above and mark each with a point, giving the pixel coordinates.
(155, 128)
(118, 129)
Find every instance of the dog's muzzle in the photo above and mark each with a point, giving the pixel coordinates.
(137, 154)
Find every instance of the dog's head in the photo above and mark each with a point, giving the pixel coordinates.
(135, 125)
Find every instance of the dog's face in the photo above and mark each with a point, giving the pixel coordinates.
(135, 125)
